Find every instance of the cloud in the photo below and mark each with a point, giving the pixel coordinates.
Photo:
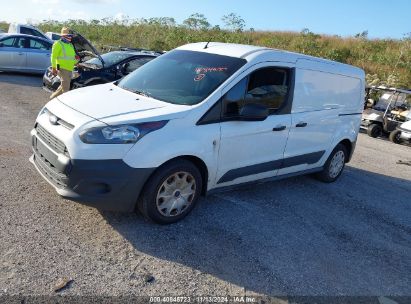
(121, 16)
(46, 2)
(64, 14)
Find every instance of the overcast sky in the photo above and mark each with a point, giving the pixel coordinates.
(382, 19)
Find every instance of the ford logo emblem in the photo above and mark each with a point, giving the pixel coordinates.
(53, 119)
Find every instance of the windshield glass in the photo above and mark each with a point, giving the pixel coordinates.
(111, 58)
(182, 77)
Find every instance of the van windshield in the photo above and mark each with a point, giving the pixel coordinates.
(182, 77)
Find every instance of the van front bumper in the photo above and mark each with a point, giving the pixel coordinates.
(104, 184)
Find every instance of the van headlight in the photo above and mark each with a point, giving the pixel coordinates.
(120, 134)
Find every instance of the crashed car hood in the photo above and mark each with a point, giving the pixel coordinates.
(110, 104)
(84, 48)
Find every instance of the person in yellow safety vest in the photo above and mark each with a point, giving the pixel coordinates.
(63, 60)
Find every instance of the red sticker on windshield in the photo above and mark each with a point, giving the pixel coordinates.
(210, 69)
(199, 77)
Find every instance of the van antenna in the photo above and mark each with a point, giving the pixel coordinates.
(207, 44)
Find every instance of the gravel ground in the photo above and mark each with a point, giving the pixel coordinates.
(296, 237)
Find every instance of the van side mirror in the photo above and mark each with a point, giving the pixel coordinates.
(1, 44)
(253, 112)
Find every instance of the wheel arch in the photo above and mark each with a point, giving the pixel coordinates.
(198, 162)
(349, 146)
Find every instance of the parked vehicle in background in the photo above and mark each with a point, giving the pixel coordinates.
(27, 29)
(53, 36)
(24, 53)
(403, 132)
(200, 118)
(387, 113)
(116, 65)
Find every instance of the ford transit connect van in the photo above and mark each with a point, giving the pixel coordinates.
(201, 118)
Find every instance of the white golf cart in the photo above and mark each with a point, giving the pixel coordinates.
(387, 113)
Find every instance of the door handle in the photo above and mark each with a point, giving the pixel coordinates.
(279, 128)
(301, 124)
(20, 53)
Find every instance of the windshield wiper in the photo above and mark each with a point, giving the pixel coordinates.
(142, 93)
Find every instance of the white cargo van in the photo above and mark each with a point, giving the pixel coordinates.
(200, 118)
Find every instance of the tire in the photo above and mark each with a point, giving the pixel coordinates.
(395, 136)
(171, 192)
(374, 130)
(334, 165)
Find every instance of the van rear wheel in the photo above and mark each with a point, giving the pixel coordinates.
(334, 165)
(171, 192)
(374, 130)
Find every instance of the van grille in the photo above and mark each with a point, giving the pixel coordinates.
(53, 142)
(50, 172)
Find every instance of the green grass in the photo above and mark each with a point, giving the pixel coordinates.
(386, 61)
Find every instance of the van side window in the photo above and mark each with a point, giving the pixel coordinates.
(269, 87)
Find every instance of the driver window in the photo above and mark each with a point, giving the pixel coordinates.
(267, 86)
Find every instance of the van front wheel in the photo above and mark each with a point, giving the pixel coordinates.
(334, 165)
(171, 192)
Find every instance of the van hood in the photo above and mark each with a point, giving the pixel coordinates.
(112, 105)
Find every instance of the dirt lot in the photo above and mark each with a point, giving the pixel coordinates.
(295, 237)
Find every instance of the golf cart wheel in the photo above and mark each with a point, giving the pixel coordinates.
(171, 192)
(334, 165)
(395, 136)
(374, 130)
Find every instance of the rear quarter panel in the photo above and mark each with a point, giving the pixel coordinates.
(333, 93)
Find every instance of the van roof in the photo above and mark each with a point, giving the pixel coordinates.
(251, 53)
(226, 49)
